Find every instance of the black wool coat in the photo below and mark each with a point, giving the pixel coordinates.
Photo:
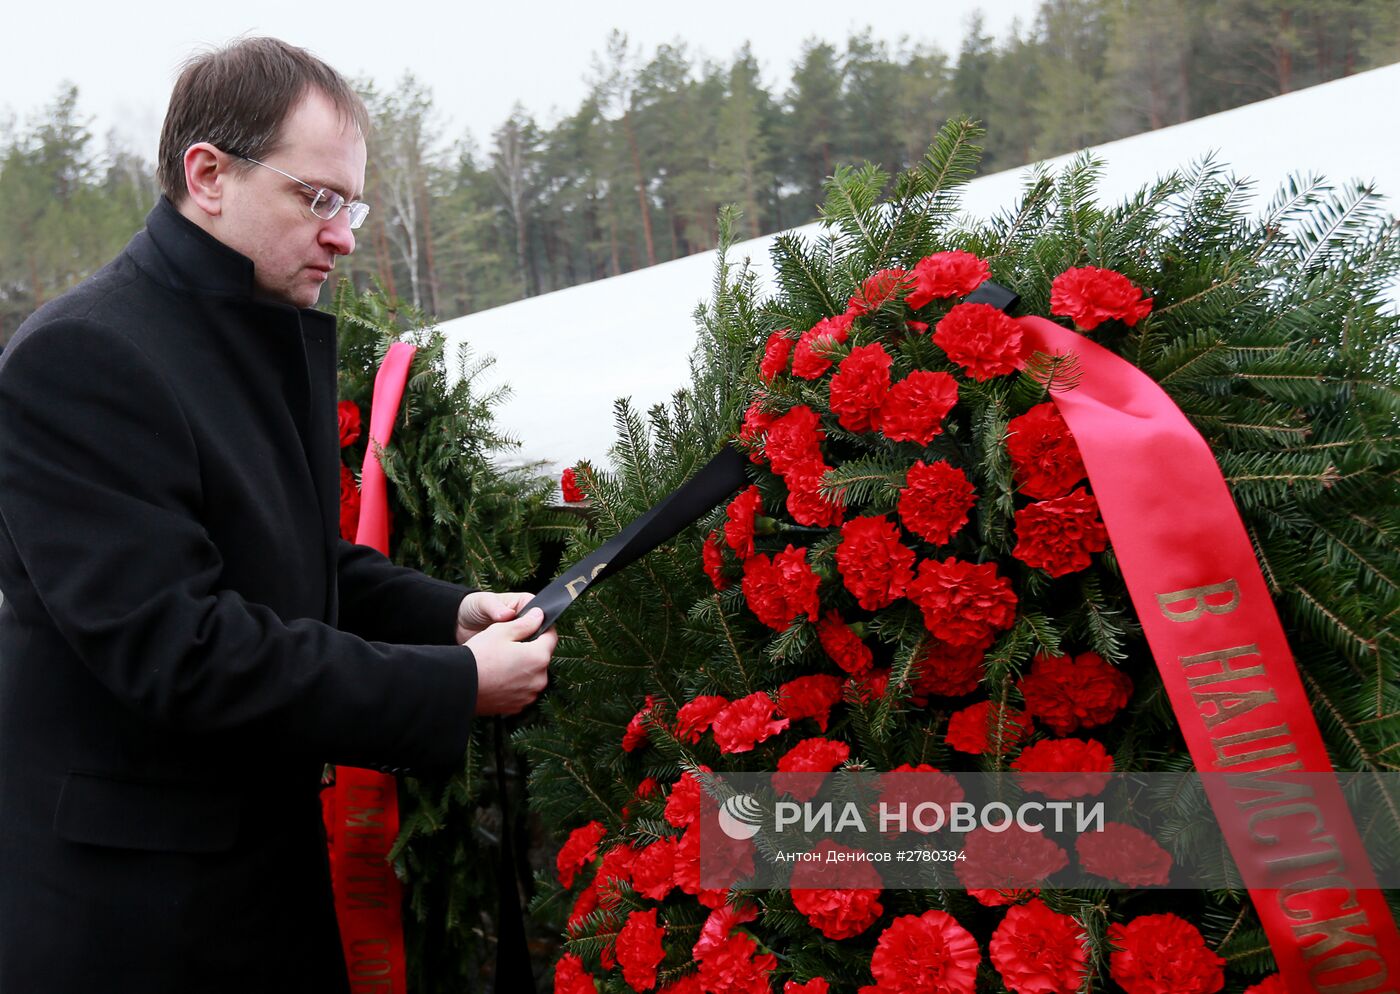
(184, 638)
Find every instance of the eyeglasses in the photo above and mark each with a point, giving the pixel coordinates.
(325, 204)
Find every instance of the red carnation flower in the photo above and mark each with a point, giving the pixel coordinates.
(1039, 951)
(825, 335)
(1162, 954)
(817, 985)
(946, 670)
(935, 501)
(963, 603)
(639, 949)
(805, 501)
(347, 417)
(1272, 984)
(732, 968)
(1059, 535)
(870, 685)
(775, 355)
(1001, 867)
(1125, 854)
(584, 905)
(654, 869)
(837, 913)
(689, 984)
(1067, 694)
(747, 722)
(578, 851)
(713, 561)
(568, 484)
(719, 925)
(981, 339)
(914, 408)
(1044, 457)
(694, 717)
(946, 274)
(930, 786)
(349, 504)
(738, 529)
(614, 869)
(636, 734)
(859, 387)
(810, 697)
(683, 806)
(727, 861)
(780, 589)
(975, 728)
(815, 755)
(876, 290)
(924, 954)
(1091, 296)
(843, 645)
(754, 429)
(1064, 768)
(571, 978)
(875, 567)
(793, 438)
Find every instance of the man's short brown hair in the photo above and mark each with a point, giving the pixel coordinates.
(236, 99)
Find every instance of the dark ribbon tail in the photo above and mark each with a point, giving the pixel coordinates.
(715, 481)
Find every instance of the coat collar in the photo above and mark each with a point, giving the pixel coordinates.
(183, 256)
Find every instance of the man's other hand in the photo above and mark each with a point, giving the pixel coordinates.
(510, 671)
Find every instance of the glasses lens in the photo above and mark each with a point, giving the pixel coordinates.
(357, 212)
(326, 204)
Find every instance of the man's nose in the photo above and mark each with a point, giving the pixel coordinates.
(336, 234)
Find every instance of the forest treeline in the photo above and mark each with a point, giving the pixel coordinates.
(636, 173)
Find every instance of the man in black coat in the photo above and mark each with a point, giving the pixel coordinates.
(184, 639)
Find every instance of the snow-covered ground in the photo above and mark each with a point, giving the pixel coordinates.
(570, 354)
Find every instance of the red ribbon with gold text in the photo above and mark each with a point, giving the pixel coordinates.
(362, 817)
(1232, 681)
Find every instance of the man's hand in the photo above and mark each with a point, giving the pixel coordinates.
(511, 672)
(482, 609)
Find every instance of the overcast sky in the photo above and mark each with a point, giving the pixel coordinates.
(479, 59)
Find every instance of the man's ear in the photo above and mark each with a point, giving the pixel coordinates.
(205, 170)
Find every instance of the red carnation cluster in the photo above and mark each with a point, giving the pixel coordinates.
(963, 603)
(805, 501)
(1059, 535)
(1039, 951)
(875, 567)
(876, 290)
(713, 561)
(1091, 296)
(1067, 694)
(793, 438)
(636, 734)
(730, 967)
(347, 417)
(946, 274)
(924, 954)
(780, 589)
(859, 387)
(825, 335)
(578, 851)
(775, 355)
(571, 978)
(815, 755)
(1125, 854)
(935, 501)
(694, 717)
(837, 913)
(843, 645)
(981, 339)
(1163, 954)
(1044, 457)
(943, 670)
(976, 728)
(747, 722)
(654, 869)
(568, 485)
(1064, 768)
(914, 408)
(810, 697)
(1000, 867)
(639, 950)
(739, 526)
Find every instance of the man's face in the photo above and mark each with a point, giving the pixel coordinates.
(268, 218)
